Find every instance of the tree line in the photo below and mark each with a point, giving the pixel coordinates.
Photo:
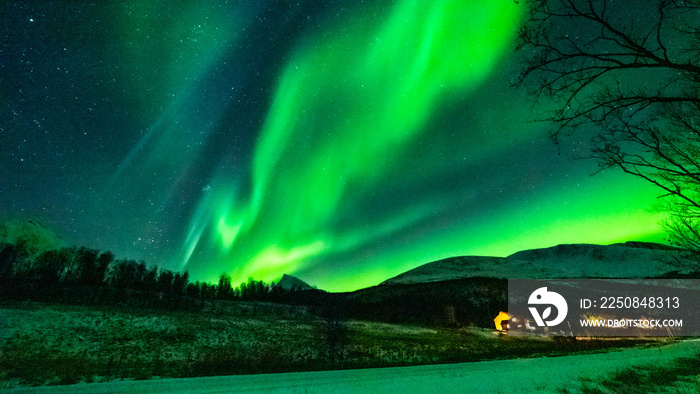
(97, 276)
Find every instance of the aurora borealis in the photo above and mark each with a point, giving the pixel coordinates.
(341, 142)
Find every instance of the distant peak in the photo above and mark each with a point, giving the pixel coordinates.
(292, 283)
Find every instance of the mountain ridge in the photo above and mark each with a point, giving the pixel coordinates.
(620, 260)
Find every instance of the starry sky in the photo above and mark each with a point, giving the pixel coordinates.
(343, 142)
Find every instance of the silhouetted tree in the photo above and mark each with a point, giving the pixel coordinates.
(165, 282)
(8, 259)
(194, 290)
(224, 289)
(140, 273)
(208, 291)
(334, 329)
(630, 74)
(150, 278)
(180, 283)
(81, 271)
(49, 267)
(254, 290)
(97, 277)
(86, 260)
(124, 274)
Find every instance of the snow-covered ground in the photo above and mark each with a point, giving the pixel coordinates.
(551, 374)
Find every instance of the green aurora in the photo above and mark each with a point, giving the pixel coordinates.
(372, 140)
(355, 111)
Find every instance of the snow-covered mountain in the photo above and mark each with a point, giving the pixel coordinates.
(627, 260)
(291, 283)
(33, 236)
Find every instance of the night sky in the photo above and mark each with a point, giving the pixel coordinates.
(340, 142)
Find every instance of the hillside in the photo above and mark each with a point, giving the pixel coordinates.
(470, 290)
(33, 236)
(627, 260)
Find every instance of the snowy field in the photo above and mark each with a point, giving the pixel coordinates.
(549, 374)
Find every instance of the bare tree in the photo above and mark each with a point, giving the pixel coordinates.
(629, 74)
(334, 330)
